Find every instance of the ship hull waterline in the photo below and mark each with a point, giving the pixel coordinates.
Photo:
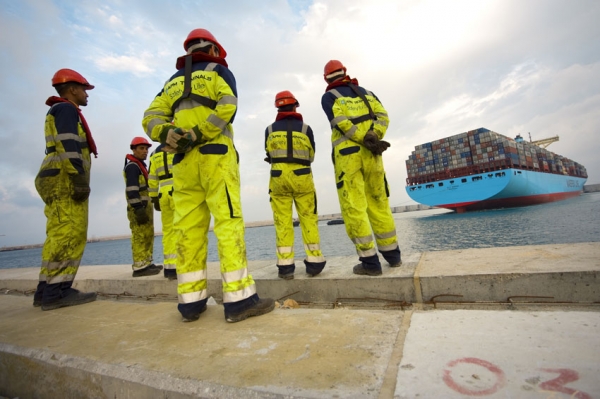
(497, 189)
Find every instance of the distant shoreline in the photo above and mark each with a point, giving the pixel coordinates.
(262, 223)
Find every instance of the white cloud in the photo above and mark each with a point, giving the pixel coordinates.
(138, 65)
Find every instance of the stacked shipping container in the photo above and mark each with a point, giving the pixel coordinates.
(479, 151)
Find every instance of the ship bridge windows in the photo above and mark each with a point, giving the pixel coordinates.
(429, 186)
(463, 180)
(451, 181)
(490, 175)
(440, 184)
(500, 174)
(475, 178)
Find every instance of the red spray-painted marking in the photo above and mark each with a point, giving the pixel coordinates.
(564, 377)
(500, 378)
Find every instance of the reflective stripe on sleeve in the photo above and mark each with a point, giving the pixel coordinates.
(228, 100)
(152, 124)
(218, 122)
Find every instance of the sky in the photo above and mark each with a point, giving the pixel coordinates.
(439, 67)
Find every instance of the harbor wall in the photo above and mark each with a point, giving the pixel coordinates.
(591, 188)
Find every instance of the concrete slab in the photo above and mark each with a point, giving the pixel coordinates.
(543, 273)
(501, 354)
(140, 350)
(110, 349)
(557, 273)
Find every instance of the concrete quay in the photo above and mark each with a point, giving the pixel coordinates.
(591, 188)
(513, 322)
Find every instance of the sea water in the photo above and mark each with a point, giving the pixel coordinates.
(569, 221)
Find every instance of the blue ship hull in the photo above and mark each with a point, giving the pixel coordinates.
(497, 189)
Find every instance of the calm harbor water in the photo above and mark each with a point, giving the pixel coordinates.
(570, 221)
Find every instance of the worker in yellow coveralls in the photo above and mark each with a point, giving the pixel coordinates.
(290, 147)
(359, 122)
(193, 116)
(63, 183)
(160, 182)
(139, 209)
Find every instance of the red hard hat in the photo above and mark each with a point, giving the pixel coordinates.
(138, 141)
(285, 98)
(68, 75)
(203, 34)
(332, 66)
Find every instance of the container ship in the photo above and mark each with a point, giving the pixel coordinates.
(481, 169)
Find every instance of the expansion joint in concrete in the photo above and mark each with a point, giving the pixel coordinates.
(388, 387)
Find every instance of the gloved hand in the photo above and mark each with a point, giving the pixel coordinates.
(371, 142)
(267, 160)
(141, 216)
(180, 140)
(383, 145)
(81, 188)
(156, 203)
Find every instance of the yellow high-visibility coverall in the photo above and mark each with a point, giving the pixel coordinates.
(142, 235)
(206, 182)
(160, 182)
(290, 144)
(360, 177)
(67, 153)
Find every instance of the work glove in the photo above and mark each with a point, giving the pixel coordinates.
(383, 145)
(178, 140)
(141, 217)
(81, 188)
(156, 203)
(371, 142)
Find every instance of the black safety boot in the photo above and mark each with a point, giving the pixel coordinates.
(360, 269)
(264, 305)
(72, 298)
(286, 272)
(39, 294)
(393, 257)
(191, 311)
(188, 317)
(314, 268)
(171, 274)
(148, 271)
(288, 276)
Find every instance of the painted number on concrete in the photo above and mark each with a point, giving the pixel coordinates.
(476, 377)
(486, 377)
(558, 384)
